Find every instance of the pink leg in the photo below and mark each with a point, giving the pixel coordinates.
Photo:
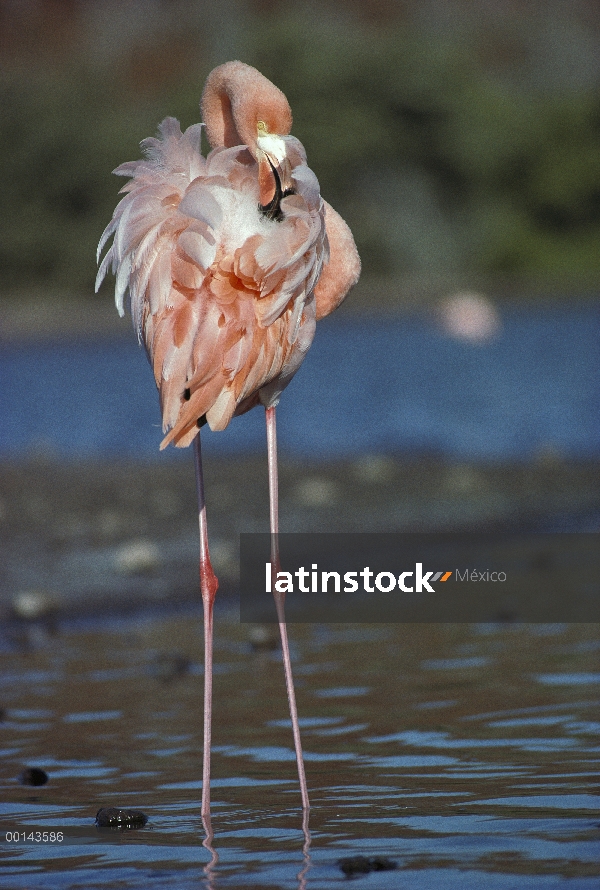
(208, 588)
(280, 597)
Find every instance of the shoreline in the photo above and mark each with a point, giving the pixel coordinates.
(32, 315)
(87, 536)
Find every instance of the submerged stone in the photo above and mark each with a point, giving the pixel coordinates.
(115, 817)
(32, 775)
(362, 865)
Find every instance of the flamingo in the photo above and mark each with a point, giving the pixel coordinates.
(229, 260)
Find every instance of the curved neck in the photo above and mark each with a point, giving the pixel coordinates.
(217, 111)
(236, 97)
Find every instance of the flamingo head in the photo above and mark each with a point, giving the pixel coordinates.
(274, 169)
(242, 107)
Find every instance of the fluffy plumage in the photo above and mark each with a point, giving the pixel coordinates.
(229, 260)
(222, 297)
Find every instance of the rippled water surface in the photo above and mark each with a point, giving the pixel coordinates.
(466, 754)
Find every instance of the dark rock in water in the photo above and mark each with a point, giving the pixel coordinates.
(362, 865)
(32, 775)
(115, 817)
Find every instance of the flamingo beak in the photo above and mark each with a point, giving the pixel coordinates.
(274, 172)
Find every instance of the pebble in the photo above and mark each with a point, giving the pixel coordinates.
(317, 491)
(362, 865)
(115, 817)
(264, 638)
(32, 775)
(225, 559)
(137, 557)
(33, 604)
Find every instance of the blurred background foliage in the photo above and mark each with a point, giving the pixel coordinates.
(460, 140)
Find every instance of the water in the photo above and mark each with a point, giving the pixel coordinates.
(465, 754)
(395, 385)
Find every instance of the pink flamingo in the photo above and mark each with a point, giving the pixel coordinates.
(229, 260)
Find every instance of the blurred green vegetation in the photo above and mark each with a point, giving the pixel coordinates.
(440, 164)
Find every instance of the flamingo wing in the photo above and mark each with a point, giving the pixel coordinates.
(221, 296)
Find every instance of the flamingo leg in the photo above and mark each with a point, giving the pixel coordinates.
(280, 597)
(208, 588)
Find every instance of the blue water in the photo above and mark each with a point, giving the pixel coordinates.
(441, 750)
(367, 385)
